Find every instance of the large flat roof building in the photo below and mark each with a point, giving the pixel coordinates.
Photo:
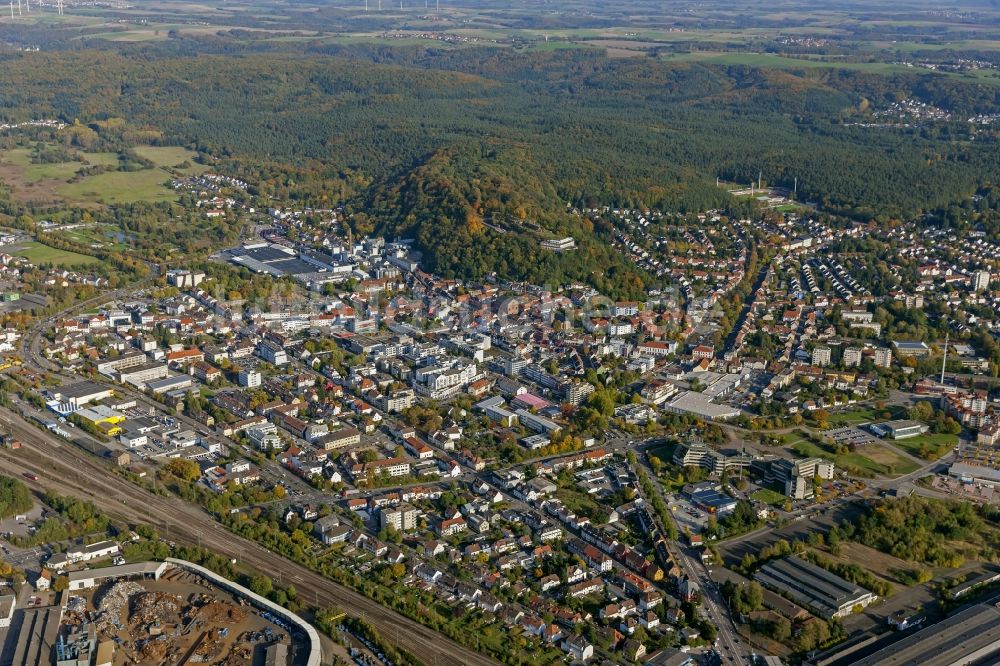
(81, 393)
(88, 578)
(36, 638)
(911, 348)
(899, 429)
(826, 593)
(698, 404)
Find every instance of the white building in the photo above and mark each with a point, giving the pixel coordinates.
(183, 279)
(272, 353)
(403, 517)
(250, 378)
(883, 357)
(821, 356)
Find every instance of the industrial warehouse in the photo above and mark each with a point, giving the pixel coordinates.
(805, 583)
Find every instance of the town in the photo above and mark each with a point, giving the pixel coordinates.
(592, 479)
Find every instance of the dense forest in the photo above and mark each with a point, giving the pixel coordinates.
(476, 153)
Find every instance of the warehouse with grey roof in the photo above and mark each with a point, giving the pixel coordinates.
(823, 592)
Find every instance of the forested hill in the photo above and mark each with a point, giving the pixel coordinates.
(476, 152)
(475, 212)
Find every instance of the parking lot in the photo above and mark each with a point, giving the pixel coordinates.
(20, 525)
(851, 436)
(688, 517)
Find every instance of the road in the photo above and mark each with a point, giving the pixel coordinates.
(67, 469)
(731, 647)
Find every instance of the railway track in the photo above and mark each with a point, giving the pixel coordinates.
(66, 469)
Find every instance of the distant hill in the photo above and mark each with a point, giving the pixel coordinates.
(476, 153)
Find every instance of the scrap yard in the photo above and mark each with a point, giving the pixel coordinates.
(160, 613)
(180, 619)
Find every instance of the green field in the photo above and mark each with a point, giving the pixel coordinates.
(775, 61)
(875, 461)
(792, 437)
(42, 181)
(33, 173)
(120, 187)
(169, 157)
(557, 46)
(768, 496)
(930, 446)
(865, 415)
(97, 236)
(43, 254)
(127, 36)
(781, 62)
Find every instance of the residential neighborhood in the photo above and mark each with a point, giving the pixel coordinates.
(580, 472)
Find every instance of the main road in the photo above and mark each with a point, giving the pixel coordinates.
(731, 648)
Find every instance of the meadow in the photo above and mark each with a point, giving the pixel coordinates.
(58, 182)
(43, 254)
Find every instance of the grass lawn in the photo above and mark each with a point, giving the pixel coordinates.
(43, 254)
(929, 445)
(792, 437)
(878, 461)
(768, 496)
(96, 236)
(774, 61)
(781, 62)
(557, 46)
(127, 36)
(36, 182)
(865, 415)
(884, 455)
(808, 449)
(579, 503)
(789, 208)
(121, 187)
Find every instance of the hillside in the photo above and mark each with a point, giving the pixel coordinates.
(476, 153)
(476, 213)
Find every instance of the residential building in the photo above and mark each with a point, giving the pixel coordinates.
(821, 356)
(272, 353)
(403, 517)
(882, 357)
(981, 280)
(250, 378)
(852, 357)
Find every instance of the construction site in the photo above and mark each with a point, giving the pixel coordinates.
(168, 614)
